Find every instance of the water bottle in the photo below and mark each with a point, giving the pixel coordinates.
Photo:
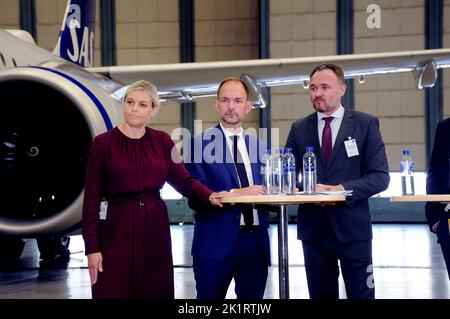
(278, 172)
(266, 172)
(407, 173)
(289, 171)
(309, 171)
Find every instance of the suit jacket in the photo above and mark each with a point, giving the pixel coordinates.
(366, 174)
(438, 173)
(209, 159)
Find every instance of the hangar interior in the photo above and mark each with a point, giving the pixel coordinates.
(135, 32)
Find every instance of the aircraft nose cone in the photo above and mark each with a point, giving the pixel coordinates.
(33, 151)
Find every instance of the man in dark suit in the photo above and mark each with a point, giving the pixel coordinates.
(350, 156)
(438, 182)
(232, 242)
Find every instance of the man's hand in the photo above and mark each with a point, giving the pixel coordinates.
(250, 190)
(435, 226)
(328, 188)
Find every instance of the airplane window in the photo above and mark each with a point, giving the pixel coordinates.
(3, 59)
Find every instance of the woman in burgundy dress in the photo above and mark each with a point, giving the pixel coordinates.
(127, 240)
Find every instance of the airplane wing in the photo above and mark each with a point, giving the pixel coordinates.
(190, 80)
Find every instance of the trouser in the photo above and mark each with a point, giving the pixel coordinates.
(322, 267)
(247, 265)
(443, 235)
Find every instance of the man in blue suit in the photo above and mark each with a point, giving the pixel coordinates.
(232, 242)
(350, 156)
(438, 182)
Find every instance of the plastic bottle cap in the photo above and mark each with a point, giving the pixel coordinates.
(406, 152)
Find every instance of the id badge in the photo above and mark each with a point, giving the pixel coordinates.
(351, 147)
(103, 210)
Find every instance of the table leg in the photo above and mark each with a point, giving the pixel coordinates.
(283, 263)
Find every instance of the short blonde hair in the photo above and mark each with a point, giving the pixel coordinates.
(147, 87)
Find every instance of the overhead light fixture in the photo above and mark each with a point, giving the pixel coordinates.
(426, 74)
(361, 79)
(306, 84)
(255, 92)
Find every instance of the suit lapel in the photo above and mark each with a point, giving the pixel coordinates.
(312, 134)
(254, 165)
(344, 132)
(228, 158)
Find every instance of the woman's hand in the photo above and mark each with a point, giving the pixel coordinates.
(215, 197)
(95, 264)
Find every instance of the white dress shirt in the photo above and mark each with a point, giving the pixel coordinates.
(242, 147)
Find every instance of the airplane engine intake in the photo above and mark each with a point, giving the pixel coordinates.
(48, 121)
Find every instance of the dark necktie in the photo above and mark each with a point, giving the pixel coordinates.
(326, 140)
(240, 168)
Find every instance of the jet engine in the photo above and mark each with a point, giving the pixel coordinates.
(49, 118)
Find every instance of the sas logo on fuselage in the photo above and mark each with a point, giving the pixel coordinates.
(84, 54)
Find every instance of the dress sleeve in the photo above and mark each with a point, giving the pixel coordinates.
(93, 195)
(180, 178)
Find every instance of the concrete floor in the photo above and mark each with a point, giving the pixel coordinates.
(407, 265)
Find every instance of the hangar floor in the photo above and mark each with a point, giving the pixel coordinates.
(407, 265)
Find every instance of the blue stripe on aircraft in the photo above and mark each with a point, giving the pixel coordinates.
(97, 103)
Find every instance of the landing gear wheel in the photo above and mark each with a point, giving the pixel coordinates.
(54, 247)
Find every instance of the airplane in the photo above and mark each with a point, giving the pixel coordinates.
(55, 103)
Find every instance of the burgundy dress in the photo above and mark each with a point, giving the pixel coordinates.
(135, 237)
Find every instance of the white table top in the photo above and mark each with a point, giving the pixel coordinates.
(422, 198)
(282, 199)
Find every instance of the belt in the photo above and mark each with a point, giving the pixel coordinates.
(249, 228)
(139, 198)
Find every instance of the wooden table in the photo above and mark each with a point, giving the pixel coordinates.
(422, 198)
(282, 201)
